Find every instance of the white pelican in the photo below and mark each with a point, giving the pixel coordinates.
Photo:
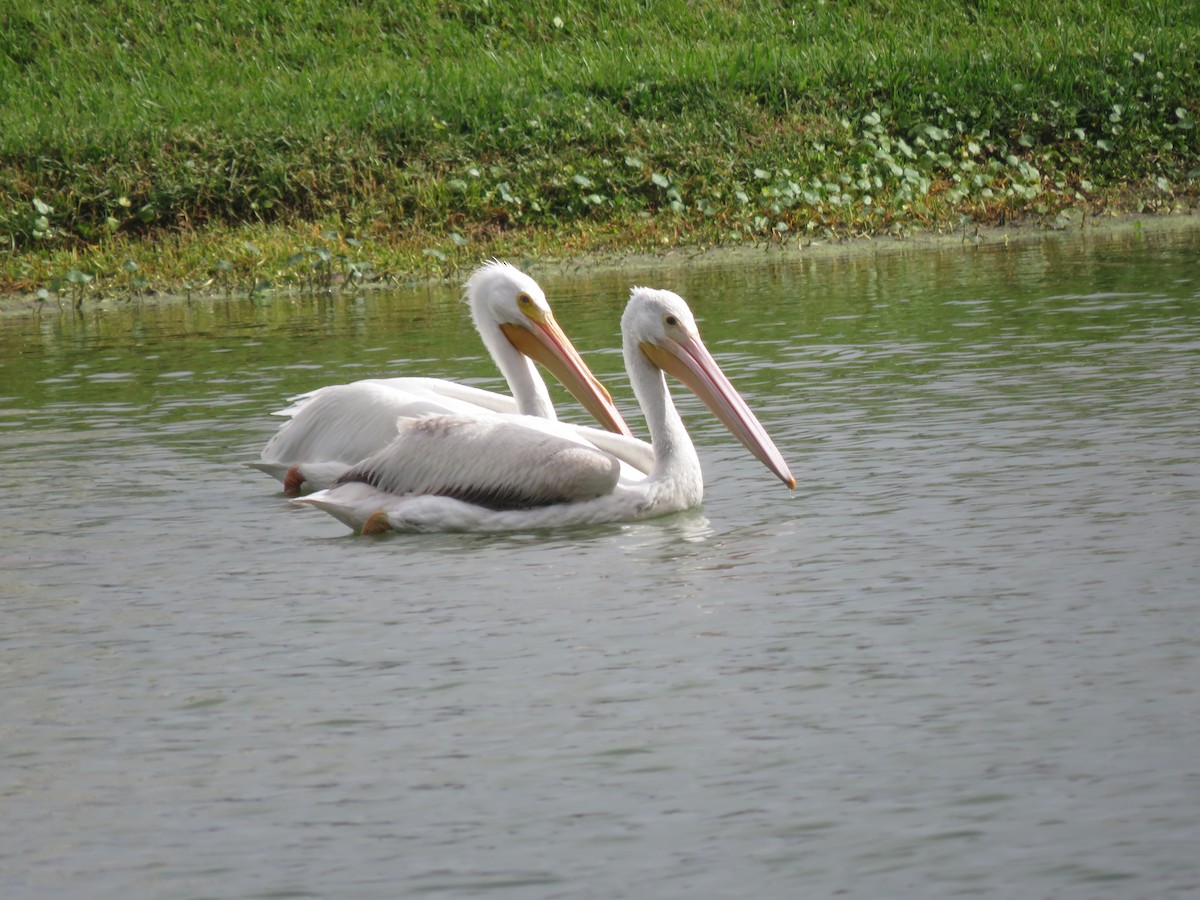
(452, 473)
(333, 427)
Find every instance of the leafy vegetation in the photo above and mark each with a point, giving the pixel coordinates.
(333, 137)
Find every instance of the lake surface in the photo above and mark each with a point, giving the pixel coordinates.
(961, 660)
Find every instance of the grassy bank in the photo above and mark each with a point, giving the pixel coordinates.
(264, 142)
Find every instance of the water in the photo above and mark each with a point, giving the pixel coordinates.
(960, 661)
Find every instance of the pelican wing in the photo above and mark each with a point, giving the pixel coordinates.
(345, 422)
(451, 392)
(495, 464)
(637, 453)
(341, 423)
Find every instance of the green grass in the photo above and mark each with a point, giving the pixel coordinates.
(171, 135)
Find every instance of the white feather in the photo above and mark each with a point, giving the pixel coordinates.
(492, 463)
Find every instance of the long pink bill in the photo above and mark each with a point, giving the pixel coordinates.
(546, 343)
(690, 362)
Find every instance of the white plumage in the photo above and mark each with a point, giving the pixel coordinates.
(489, 463)
(331, 428)
(448, 473)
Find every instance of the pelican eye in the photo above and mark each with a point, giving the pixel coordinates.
(671, 320)
(524, 299)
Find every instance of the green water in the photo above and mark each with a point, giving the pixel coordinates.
(960, 659)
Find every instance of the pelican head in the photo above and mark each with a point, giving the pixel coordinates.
(509, 308)
(659, 326)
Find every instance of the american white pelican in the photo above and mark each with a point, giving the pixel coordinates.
(333, 427)
(452, 473)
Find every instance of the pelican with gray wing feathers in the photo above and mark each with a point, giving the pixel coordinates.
(455, 473)
(332, 428)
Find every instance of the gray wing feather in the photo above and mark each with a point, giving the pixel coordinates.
(497, 465)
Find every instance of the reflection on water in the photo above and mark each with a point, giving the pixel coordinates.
(961, 659)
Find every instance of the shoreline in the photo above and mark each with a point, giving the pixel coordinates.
(1116, 226)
